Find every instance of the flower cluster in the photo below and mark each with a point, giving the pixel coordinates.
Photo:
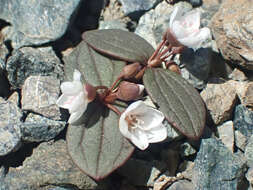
(139, 123)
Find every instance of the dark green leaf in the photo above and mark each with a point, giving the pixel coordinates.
(119, 44)
(177, 99)
(95, 143)
(97, 147)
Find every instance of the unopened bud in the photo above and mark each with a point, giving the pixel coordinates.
(91, 92)
(128, 91)
(174, 67)
(129, 71)
(171, 39)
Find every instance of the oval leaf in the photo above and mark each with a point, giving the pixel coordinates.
(95, 144)
(177, 99)
(119, 44)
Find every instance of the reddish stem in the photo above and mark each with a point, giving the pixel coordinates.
(113, 108)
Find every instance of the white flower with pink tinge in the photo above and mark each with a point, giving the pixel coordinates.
(185, 28)
(142, 125)
(74, 97)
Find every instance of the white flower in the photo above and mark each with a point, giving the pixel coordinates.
(74, 97)
(185, 28)
(142, 125)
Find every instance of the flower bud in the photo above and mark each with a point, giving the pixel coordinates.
(91, 92)
(128, 91)
(174, 67)
(129, 71)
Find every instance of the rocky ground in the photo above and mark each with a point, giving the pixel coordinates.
(34, 38)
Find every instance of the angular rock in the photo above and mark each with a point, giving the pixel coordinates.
(44, 92)
(216, 167)
(49, 165)
(245, 93)
(141, 173)
(159, 17)
(10, 138)
(131, 6)
(232, 29)
(29, 61)
(249, 152)
(112, 24)
(37, 128)
(186, 150)
(10, 134)
(226, 134)
(181, 185)
(249, 176)
(197, 66)
(14, 98)
(220, 99)
(237, 75)
(240, 140)
(9, 112)
(35, 23)
(243, 120)
(3, 55)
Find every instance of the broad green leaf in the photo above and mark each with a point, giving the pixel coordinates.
(95, 143)
(119, 44)
(97, 146)
(177, 99)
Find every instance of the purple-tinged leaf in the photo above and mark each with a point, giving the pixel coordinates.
(119, 44)
(178, 100)
(95, 143)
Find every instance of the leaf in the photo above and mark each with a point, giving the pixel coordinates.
(119, 44)
(178, 100)
(95, 144)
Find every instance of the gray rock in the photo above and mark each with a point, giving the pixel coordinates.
(10, 134)
(195, 2)
(249, 176)
(112, 24)
(141, 173)
(14, 98)
(155, 22)
(10, 138)
(226, 134)
(220, 108)
(29, 61)
(181, 185)
(249, 151)
(196, 66)
(44, 92)
(9, 112)
(172, 133)
(34, 22)
(186, 150)
(37, 128)
(131, 6)
(240, 140)
(3, 55)
(216, 167)
(49, 165)
(171, 158)
(4, 84)
(243, 120)
(232, 29)
(245, 93)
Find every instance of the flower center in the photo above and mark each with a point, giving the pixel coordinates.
(133, 122)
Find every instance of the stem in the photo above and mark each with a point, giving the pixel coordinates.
(113, 108)
(115, 83)
(157, 51)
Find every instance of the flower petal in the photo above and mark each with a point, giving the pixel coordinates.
(175, 15)
(79, 101)
(76, 115)
(157, 134)
(152, 118)
(134, 106)
(123, 126)
(64, 101)
(191, 20)
(139, 139)
(76, 75)
(71, 88)
(196, 39)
